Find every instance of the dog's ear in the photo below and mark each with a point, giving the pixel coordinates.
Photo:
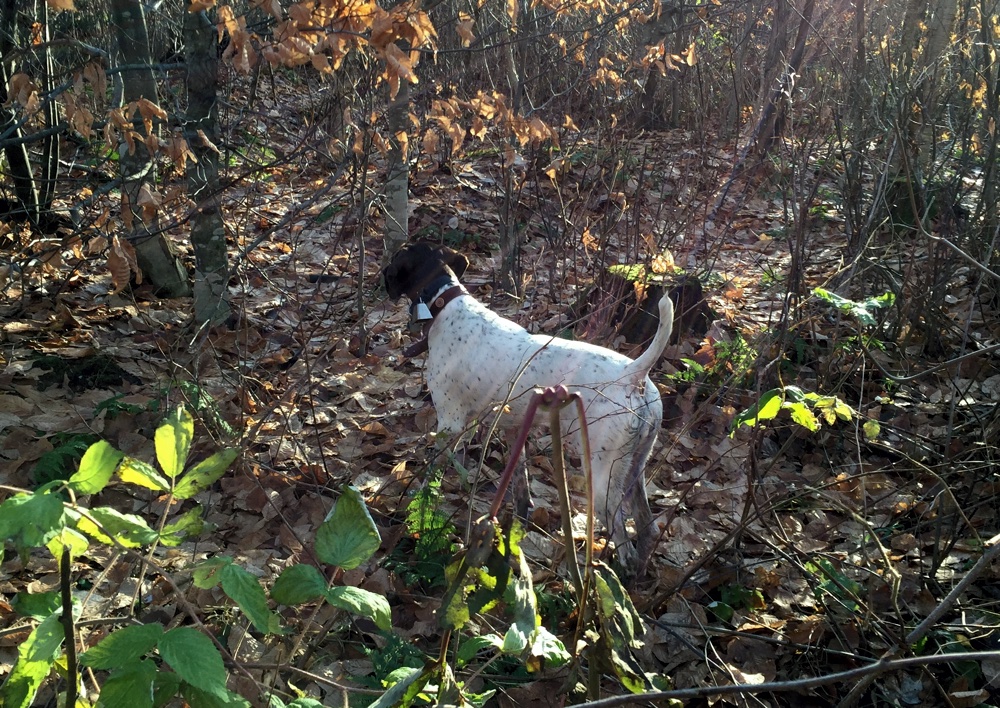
(456, 261)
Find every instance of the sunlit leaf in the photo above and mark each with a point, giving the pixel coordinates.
(173, 441)
(96, 467)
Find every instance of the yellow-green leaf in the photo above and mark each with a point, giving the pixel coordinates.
(145, 475)
(173, 441)
(204, 474)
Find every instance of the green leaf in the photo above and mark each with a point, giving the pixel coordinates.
(871, 429)
(803, 416)
(188, 525)
(721, 610)
(68, 538)
(96, 467)
(879, 302)
(142, 474)
(409, 681)
(123, 647)
(245, 590)
(362, 602)
(197, 698)
(37, 605)
(454, 611)
(618, 605)
(30, 520)
(348, 537)
(859, 310)
(35, 658)
(548, 648)
(166, 685)
(173, 441)
(795, 394)
(520, 597)
(205, 473)
(765, 409)
(209, 573)
(297, 584)
(132, 685)
(195, 659)
(473, 645)
(843, 411)
(305, 703)
(129, 530)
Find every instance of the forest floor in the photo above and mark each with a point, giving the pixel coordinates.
(782, 554)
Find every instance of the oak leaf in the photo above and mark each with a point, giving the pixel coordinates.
(23, 90)
(149, 110)
(150, 200)
(430, 142)
(301, 14)
(226, 21)
(122, 264)
(464, 28)
(93, 71)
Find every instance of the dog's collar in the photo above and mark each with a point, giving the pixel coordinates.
(423, 312)
(434, 297)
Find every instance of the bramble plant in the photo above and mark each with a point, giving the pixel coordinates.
(862, 311)
(147, 664)
(52, 517)
(808, 409)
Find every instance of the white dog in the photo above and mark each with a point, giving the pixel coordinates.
(479, 362)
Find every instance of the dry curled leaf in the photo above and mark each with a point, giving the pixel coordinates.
(122, 264)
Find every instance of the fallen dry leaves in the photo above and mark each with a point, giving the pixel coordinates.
(783, 553)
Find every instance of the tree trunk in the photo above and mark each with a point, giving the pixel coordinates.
(154, 254)
(201, 130)
(50, 146)
(934, 20)
(991, 122)
(510, 251)
(397, 183)
(772, 121)
(18, 163)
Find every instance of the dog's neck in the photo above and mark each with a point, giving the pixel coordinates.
(432, 299)
(436, 287)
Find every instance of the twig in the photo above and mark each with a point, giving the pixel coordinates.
(874, 669)
(65, 582)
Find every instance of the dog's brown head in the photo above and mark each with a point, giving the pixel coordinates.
(417, 265)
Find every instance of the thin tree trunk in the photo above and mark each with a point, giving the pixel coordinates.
(397, 184)
(18, 163)
(772, 121)
(510, 261)
(154, 254)
(991, 122)
(201, 130)
(50, 146)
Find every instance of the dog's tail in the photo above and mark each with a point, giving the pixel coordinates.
(639, 368)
